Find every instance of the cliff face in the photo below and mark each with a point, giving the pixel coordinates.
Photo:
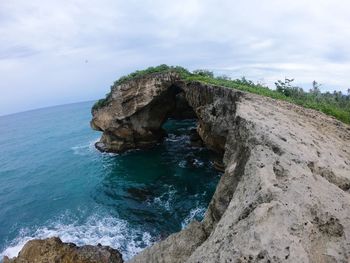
(285, 193)
(136, 111)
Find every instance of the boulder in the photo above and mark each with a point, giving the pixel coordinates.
(53, 250)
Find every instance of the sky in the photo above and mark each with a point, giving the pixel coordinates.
(62, 51)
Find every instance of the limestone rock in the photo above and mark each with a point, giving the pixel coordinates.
(176, 248)
(53, 250)
(136, 111)
(285, 193)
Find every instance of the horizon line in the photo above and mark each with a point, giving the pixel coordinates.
(45, 107)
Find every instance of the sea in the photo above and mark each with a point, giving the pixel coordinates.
(53, 182)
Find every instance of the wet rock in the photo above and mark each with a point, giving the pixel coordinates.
(140, 194)
(219, 166)
(195, 139)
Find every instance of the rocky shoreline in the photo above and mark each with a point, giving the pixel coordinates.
(54, 250)
(285, 193)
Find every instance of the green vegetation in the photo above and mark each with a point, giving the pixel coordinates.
(99, 104)
(137, 74)
(150, 70)
(335, 104)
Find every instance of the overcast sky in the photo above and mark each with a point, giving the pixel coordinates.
(56, 52)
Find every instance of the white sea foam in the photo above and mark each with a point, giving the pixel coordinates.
(177, 138)
(111, 154)
(85, 148)
(107, 231)
(198, 163)
(195, 163)
(197, 212)
(166, 200)
(182, 164)
(89, 148)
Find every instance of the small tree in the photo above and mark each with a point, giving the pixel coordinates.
(223, 77)
(204, 73)
(244, 81)
(315, 88)
(337, 95)
(284, 86)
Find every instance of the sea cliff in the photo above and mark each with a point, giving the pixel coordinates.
(285, 193)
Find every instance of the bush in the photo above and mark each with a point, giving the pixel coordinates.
(99, 104)
(150, 70)
(204, 73)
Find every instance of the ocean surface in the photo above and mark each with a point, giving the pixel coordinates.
(53, 182)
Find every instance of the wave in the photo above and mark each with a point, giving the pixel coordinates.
(166, 200)
(85, 148)
(196, 213)
(108, 231)
(89, 148)
(177, 138)
(196, 163)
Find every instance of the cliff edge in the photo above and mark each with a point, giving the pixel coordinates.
(285, 193)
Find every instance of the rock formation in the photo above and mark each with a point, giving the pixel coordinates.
(285, 193)
(54, 250)
(136, 111)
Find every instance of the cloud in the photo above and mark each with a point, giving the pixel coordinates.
(45, 44)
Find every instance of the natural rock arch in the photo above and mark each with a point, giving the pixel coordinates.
(284, 196)
(134, 116)
(270, 204)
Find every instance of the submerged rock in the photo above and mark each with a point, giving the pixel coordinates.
(140, 194)
(53, 250)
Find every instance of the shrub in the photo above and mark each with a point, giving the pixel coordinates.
(204, 73)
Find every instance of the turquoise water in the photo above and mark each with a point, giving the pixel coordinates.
(53, 182)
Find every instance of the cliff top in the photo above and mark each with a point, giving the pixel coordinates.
(334, 104)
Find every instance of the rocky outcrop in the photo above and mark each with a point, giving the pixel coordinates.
(136, 111)
(54, 250)
(285, 193)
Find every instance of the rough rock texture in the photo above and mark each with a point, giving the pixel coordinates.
(53, 250)
(285, 194)
(136, 111)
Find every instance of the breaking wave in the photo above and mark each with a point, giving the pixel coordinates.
(195, 214)
(85, 149)
(108, 231)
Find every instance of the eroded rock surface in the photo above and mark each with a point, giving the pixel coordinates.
(285, 193)
(136, 112)
(53, 250)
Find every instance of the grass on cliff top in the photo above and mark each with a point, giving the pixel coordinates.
(335, 104)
